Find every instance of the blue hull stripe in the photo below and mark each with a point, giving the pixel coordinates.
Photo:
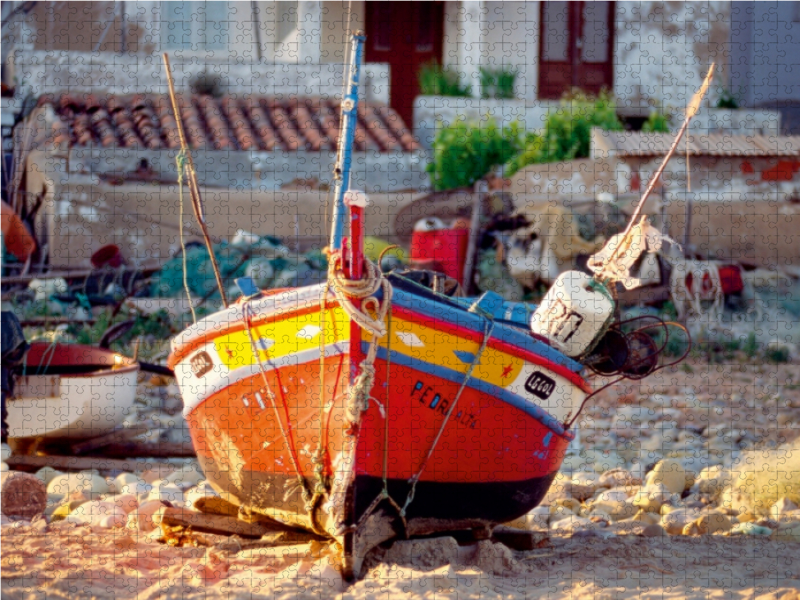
(484, 387)
(450, 314)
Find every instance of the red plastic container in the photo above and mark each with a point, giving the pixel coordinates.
(442, 250)
(107, 256)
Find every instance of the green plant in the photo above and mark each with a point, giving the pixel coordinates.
(750, 346)
(498, 83)
(567, 130)
(464, 152)
(436, 80)
(657, 122)
(727, 99)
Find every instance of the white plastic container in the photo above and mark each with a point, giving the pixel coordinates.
(573, 313)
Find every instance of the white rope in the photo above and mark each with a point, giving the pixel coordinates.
(369, 317)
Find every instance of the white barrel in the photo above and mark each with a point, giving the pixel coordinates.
(573, 313)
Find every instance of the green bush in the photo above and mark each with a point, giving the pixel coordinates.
(567, 131)
(727, 99)
(464, 152)
(436, 80)
(498, 83)
(657, 122)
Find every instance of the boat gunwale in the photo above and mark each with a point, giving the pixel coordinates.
(128, 364)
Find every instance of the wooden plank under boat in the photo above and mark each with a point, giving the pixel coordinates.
(71, 391)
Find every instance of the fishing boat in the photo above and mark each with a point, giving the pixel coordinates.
(373, 407)
(70, 392)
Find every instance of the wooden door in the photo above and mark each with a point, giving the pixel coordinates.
(576, 43)
(406, 35)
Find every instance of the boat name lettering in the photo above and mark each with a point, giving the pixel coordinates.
(201, 364)
(540, 385)
(427, 396)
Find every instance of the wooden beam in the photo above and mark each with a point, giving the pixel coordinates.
(150, 449)
(209, 523)
(85, 463)
(120, 434)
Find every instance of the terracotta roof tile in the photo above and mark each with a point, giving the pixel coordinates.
(233, 122)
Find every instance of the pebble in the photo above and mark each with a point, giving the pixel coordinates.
(95, 511)
(751, 529)
(647, 518)
(123, 480)
(86, 482)
(142, 517)
(127, 502)
(5, 452)
(572, 524)
(4, 467)
(618, 478)
(712, 480)
(204, 490)
(671, 473)
(616, 510)
(164, 490)
(712, 523)
(613, 495)
(651, 497)
(789, 532)
(674, 522)
(47, 474)
(782, 506)
(186, 477)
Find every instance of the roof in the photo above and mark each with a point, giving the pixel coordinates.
(636, 143)
(233, 122)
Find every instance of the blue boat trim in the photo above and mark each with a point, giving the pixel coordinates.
(484, 387)
(451, 314)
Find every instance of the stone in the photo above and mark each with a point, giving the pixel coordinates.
(747, 517)
(47, 474)
(142, 517)
(712, 523)
(674, 522)
(613, 495)
(199, 492)
(23, 495)
(163, 490)
(782, 506)
(126, 483)
(572, 524)
(87, 482)
(671, 473)
(127, 502)
(648, 518)
(584, 485)
(568, 503)
(616, 478)
(617, 511)
(94, 511)
(751, 529)
(186, 477)
(651, 497)
(789, 532)
(5, 452)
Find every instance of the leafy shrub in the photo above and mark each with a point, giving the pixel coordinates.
(727, 99)
(657, 122)
(567, 130)
(436, 80)
(498, 83)
(464, 152)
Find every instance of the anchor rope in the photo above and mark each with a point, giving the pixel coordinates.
(286, 431)
(181, 164)
(487, 334)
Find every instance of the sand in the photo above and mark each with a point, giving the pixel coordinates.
(63, 560)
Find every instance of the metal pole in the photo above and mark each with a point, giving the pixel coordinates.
(346, 137)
